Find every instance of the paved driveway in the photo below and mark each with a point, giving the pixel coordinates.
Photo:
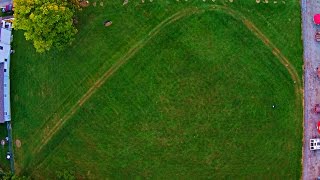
(311, 159)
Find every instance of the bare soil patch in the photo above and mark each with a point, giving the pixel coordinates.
(84, 3)
(18, 143)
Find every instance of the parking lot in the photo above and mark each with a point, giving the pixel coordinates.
(311, 57)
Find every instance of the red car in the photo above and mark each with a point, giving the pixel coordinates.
(318, 127)
(316, 19)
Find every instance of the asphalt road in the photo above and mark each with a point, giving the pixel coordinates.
(311, 57)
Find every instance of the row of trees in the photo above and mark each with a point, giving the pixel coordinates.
(48, 23)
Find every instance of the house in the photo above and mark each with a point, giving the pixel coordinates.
(5, 51)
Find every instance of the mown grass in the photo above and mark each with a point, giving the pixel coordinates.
(196, 101)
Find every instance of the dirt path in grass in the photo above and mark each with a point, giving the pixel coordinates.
(284, 61)
(47, 135)
(110, 72)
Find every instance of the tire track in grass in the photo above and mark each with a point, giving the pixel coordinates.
(283, 60)
(107, 74)
(183, 13)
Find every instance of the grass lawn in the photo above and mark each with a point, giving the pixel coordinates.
(194, 99)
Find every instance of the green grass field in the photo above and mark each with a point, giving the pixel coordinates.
(187, 97)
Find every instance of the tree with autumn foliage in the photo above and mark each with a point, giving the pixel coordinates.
(48, 23)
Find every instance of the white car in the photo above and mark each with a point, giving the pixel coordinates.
(8, 155)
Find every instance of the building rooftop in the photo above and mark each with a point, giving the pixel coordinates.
(1, 93)
(5, 51)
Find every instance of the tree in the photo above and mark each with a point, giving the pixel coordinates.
(48, 23)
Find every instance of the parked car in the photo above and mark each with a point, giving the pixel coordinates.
(318, 127)
(316, 108)
(8, 156)
(317, 36)
(7, 8)
(316, 19)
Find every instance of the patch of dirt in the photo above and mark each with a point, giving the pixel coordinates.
(84, 3)
(107, 23)
(16, 97)
(75, 20)
(18, 143)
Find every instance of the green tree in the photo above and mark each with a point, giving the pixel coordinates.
(48, 23)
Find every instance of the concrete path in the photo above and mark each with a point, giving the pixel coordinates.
(311, 159)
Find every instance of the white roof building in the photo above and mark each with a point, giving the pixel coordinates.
(5, 40)
(5, 51)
